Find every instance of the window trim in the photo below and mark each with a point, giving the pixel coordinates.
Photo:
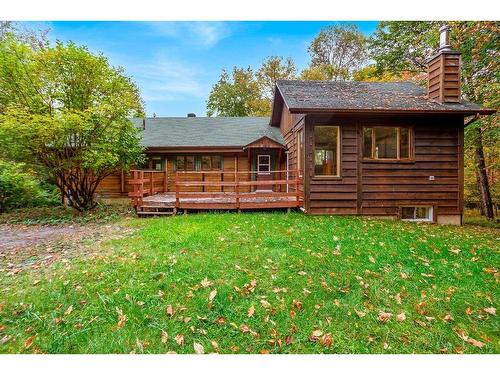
(411, 153)
(268, 164)
(431, 206)
(300, 151)
(339, 153)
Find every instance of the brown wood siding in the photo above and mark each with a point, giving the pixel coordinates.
(444, 78)
(368, 187)
(296, 124)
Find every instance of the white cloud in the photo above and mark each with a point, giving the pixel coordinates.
(198, 33)
(162, 78)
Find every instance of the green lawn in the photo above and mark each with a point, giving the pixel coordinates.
(313, 284)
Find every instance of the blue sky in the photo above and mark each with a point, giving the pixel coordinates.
(176, 63)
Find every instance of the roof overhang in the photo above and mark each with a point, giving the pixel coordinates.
(194, 149)
(481, 111)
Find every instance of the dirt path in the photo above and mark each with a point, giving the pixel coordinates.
(34, 246)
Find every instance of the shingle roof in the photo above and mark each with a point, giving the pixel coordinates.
(206, 131)
(384, 96)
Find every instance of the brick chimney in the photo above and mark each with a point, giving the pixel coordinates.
(443, 71)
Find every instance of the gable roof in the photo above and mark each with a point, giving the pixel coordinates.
(171, 132)
(353, 96)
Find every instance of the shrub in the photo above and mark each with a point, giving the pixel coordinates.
(19, 188)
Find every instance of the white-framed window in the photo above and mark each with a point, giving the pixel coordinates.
(264, 164)
(417, 213)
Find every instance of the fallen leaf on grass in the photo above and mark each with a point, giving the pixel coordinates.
(198, 348)
(401, 317)
(326, 340)
(205, 283)
(179, 339)
(384, 316)
(490, 310)
(288, 340)
(212, 295)
(315, 335)
(398, 298)
(297, 304)
(372, 259)
(4, 340)
(164, 337)
(170, 310)
(454, 250)
(121, 318)
(361, 314)
(29, 342)
(251, 311)
(469, 310)
(265, 304)
(448, 318)
(68, 310)
(215, 345)
(470, 340)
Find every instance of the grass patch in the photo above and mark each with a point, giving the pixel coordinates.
(321, 284)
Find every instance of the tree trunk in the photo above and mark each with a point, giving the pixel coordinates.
(483, 184)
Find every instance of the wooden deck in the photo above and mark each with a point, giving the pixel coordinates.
(149, 197)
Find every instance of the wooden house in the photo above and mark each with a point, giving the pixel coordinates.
(346, 148)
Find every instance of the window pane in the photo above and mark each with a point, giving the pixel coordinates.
(205, 163)
(300, 151)
(367, 142)
(385, 143)
(421, 212)
(157, 163)
(216, 162)
(179, 161)
(407, 212)
(325, 145)
(404, 151)
(189, 163)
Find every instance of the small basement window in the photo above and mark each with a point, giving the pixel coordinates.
(417, 213)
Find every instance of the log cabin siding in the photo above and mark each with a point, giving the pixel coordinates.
(377, 187)
(291, 125)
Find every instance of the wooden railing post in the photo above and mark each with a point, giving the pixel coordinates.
(141, 187)
(297, 187)
(151, 183)
(176, 190)
(237, 190)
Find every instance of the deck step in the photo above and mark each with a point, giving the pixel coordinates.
(155, 213)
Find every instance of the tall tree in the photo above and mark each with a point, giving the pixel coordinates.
(316, 73)
(404, 46)
(66, 110)
(274, 68)
(341, 48)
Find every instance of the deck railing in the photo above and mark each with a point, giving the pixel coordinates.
(221, 189)
(146, 182)
(235, 190)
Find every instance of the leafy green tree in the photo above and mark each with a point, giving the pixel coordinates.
(274, 68)
(370, 73)
(399, 46)
(340, 49)
(65, 110)
(316, 73)
(236, 95)
(18, 188)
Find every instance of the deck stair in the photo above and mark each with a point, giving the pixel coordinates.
(155, 210)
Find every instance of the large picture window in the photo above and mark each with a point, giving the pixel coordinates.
(211, 163)
(189, 163)
(391, 143)
(326, 150)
